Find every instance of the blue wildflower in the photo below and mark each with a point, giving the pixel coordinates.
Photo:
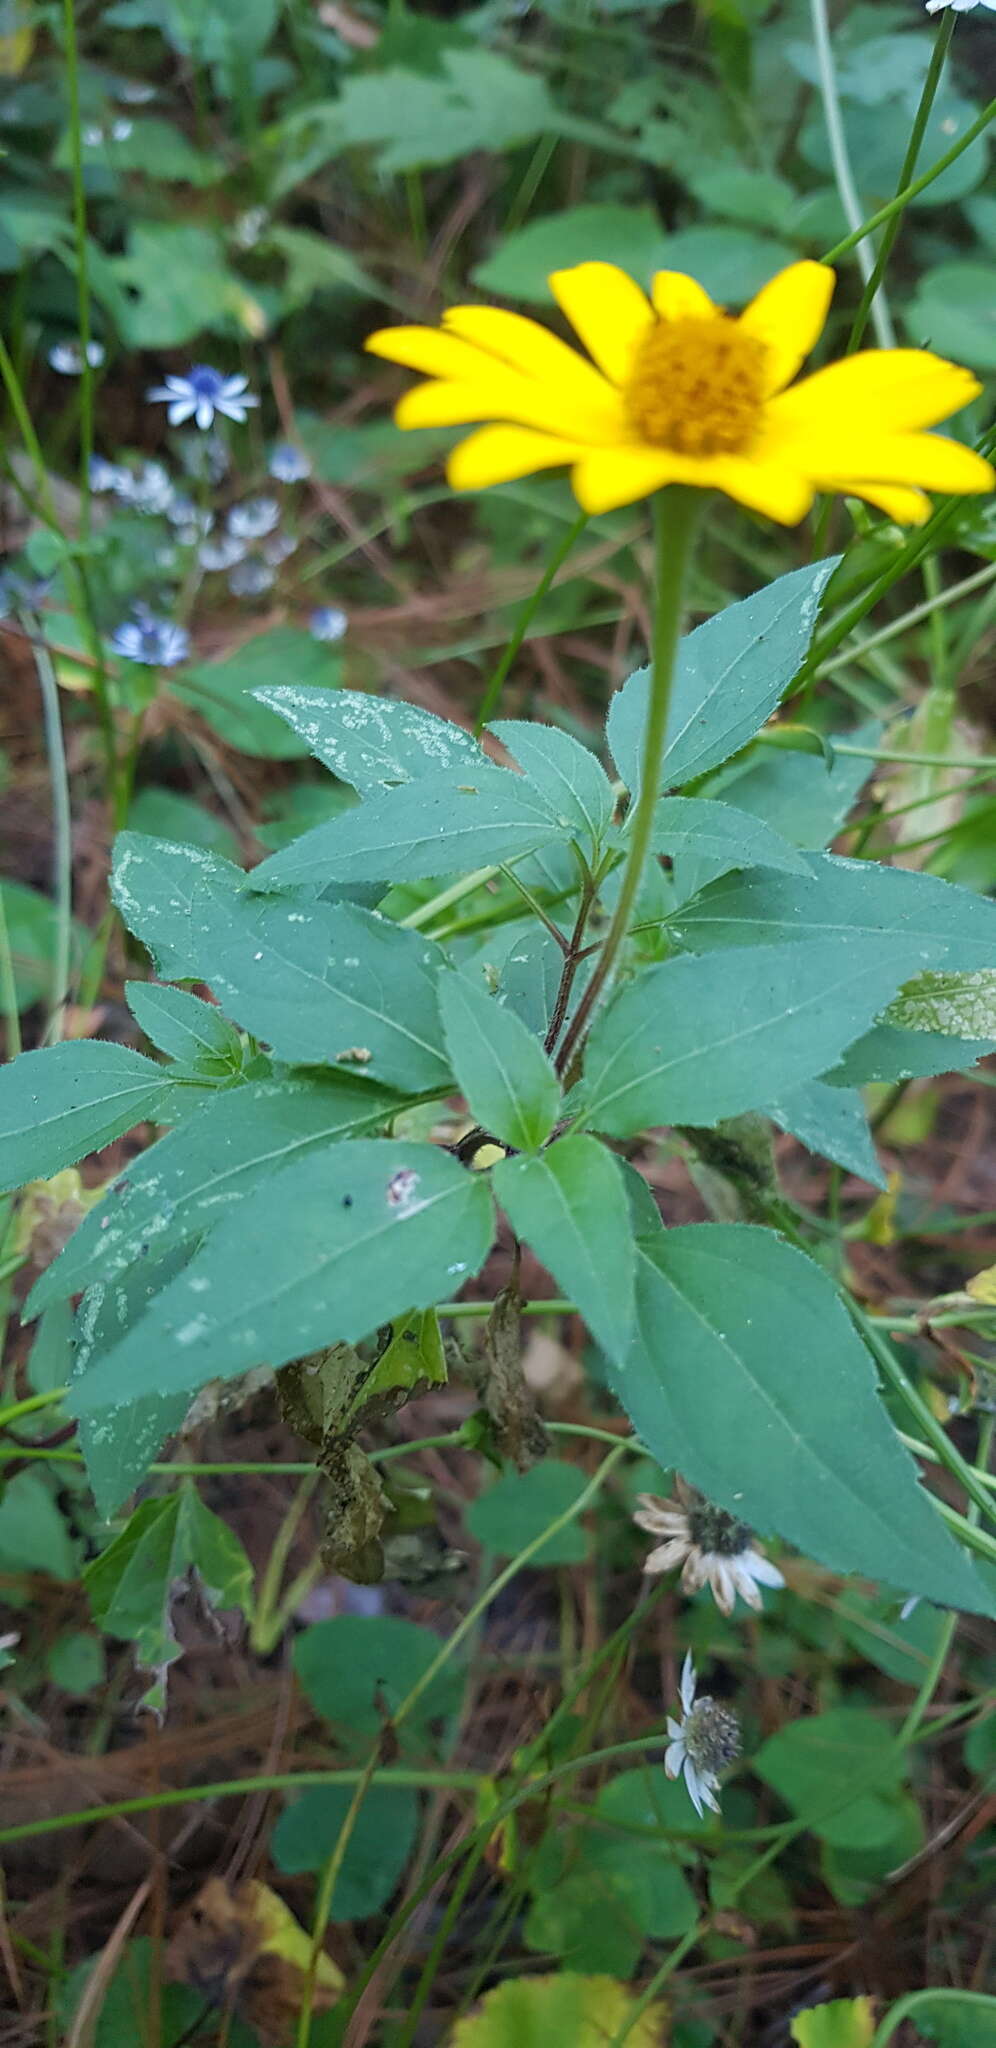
(290, 465)
(157, 643)
(201, 394)
(106, 476)
(327, 622)
(221, 552)
(279, 548)
(150, 489)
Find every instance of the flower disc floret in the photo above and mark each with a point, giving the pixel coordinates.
(697, 386)
(676, 390)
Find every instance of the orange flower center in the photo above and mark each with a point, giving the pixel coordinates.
(697, 386)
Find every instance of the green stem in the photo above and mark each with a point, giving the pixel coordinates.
(917, 613)
(82, 280)
(927, 1422)
(8, 988)
(902, 199)
(905, 2007)
(524, 621)
(62, 846)
(927, 96)
(843, 174)
(323, 1903)
(675, 514)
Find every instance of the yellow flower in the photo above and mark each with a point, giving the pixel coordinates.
(675, 390)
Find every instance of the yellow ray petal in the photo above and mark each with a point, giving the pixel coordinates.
(497, 394)
(906, 507)
(426, 349)
(609, 312)
(777, 492)
(892, 389)
(619, 476)
(927, 461)
(495, 455)
(532, 351)
(677, 297)
(788, 315)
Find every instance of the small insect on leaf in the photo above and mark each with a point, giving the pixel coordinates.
(242, 1948)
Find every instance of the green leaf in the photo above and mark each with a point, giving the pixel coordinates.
(371, 742)
(502, 1070)
(846, 899)
(731, 263)
(797, 793)
(570, 1206)
(520, 1505)
(61, 1103)
(952, 309)
(355, 1669)
(748, 1377)
(119, 1447)
(157, 885)
(32, 926)
(664, 1906)
(131, 1996)
(328, 984)
(562, 2011)
(731, 674)
(844, 2023)
(230, 697)
(566, 775)
(726, 837)
(378, 1849)
(839, 1772)
(76, 1663)
(314, 264)
(131, 1585)
(154, 147)
(954, 1005)
(165, 814)
(33, 1534)
(629, 236)
(175, 283)
(444, 822)
(201, 1171)
(692, 1041)
(878, 136)
(480, 101)
(326, 1250)
(888, 1054)
(832, 1122)
(181, 1025)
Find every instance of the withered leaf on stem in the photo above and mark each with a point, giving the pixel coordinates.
(243, 1950)
(518, 1427)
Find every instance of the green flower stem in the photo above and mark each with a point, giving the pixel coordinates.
(904, 2008)
(843, 174)
(927, 1423)
(922, 116)
(675, 515)
(524, 621)
(8, 990)
(914, 617)
(82, 279)
(62, 847)
(323, 1902)
(902, 199)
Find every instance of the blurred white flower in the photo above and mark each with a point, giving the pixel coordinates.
(960, 6)
(713, 1547)
(200, 395)
(254, 518)
(278, 548)
(222, 552)
(249, 227)
(132, 93)
(702, 1743)
(107, 476)
(251, 577)
(67, 357)
(149, 489)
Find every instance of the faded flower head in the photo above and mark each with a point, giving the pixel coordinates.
(714, 1549)
(156, 643)
(703, 1742)
(221, 552)
(200, 395)
(67, 357)
(254, 518)
(278, 548)
(327, 623)
(251, 577)
(148, 489)
(289, 464)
